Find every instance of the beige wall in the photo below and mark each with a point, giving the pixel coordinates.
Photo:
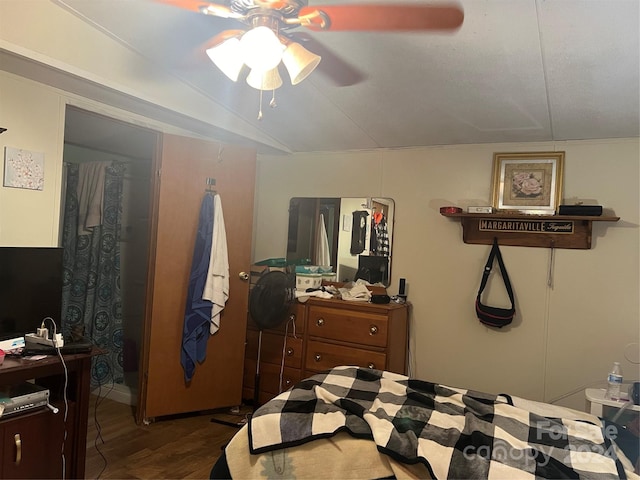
(34, 119)
(564, 338)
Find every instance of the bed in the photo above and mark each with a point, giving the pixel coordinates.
(352, 422)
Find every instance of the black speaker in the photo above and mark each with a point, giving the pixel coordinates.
(402, 288)
(380, 299)
(587, 210)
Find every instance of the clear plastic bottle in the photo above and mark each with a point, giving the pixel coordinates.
(614, 380)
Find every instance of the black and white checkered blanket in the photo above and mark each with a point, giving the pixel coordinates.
(456, 433)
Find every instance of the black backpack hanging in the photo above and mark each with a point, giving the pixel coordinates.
(493, 316)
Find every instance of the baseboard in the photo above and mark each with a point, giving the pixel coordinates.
(118, 393)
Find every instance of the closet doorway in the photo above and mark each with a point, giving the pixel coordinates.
(129, 150)
(175, 175)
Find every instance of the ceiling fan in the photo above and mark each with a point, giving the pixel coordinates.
(261, 35)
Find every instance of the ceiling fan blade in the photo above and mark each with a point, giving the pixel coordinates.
(381, 17)
(203, 6)
(331, 66)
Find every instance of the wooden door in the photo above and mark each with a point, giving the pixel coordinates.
(183, 167)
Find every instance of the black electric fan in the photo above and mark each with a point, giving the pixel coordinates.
(269, 302)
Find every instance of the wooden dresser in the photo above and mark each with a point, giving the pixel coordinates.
(320, 334)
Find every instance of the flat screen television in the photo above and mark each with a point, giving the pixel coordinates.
(30, 290)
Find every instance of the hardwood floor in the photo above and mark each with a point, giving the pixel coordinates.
(184, 446)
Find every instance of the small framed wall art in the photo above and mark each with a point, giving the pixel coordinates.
(23, 169)
(529, 183)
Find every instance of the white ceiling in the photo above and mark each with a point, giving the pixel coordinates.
(516, 71)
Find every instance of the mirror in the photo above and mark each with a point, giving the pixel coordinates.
(351, 234)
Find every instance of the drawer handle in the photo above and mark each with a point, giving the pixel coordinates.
(371, 366)
(373, 329)
(292, 317)
(320, 322)
(318, 357)
(18, 441)
(289, 351)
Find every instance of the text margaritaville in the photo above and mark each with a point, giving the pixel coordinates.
(526, 226)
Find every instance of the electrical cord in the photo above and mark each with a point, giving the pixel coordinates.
(621, 411)
(64, 391)
(284, 348)
(99, 400)
(99, 438)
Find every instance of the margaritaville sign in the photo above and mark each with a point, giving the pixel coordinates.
(526, 226)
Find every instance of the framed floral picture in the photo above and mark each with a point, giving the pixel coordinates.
(528, 182)
(23, 169)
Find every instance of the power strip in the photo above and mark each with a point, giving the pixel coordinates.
(43, 340)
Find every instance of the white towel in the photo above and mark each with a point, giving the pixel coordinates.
(323, 257)
(216, 288)
(358, 293)
(90, 195)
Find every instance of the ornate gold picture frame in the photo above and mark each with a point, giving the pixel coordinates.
(528, 183)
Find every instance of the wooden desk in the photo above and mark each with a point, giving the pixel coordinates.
(49, 373)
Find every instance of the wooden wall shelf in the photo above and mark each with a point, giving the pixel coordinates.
(551, 231)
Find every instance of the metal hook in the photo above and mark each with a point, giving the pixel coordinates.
(211, 182)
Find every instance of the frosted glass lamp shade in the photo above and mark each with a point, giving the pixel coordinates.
(261, 49)
(227, 56)
(270, 80)
(299, 61)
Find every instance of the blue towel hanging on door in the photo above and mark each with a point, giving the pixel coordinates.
(197, 316)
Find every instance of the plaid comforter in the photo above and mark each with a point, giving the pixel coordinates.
(456, 433)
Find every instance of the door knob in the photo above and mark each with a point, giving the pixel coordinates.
(243, 276)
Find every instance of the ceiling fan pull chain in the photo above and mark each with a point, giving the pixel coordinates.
(260, 107)
(273, 103)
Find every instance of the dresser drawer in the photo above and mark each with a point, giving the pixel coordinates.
(328, 333)
(348, 325)
(323, 356)
(270, 377)
(271, 351)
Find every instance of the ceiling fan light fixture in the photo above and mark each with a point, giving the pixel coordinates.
(269, 80)
(261, 48)
(299, 62)
(227, 56)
